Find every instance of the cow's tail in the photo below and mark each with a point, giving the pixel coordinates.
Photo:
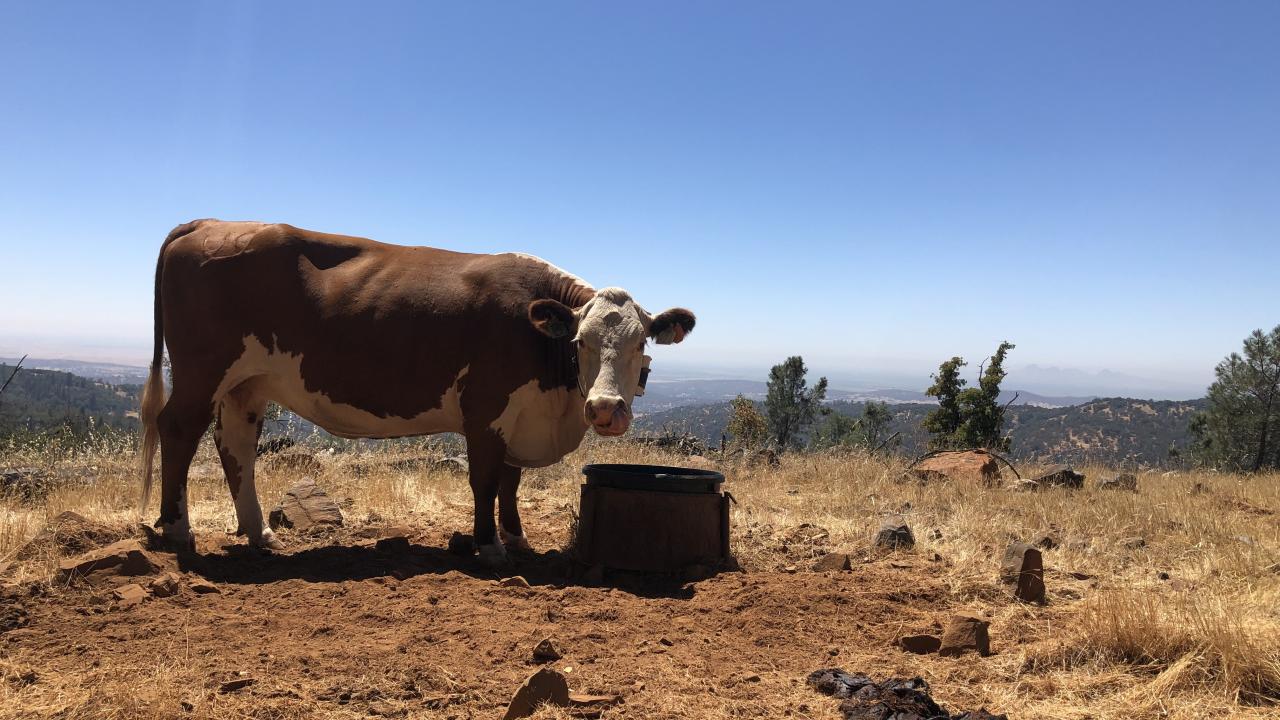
(153, 398)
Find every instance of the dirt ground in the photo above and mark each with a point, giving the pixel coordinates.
(336, 627)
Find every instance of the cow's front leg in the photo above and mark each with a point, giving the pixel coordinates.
(485, 455)
(509, 529)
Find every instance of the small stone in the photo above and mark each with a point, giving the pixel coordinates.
(965, 634)
(833, 562)
(237, 684)
(546, 651)
(129, 595)
(895, 535)
(1061, 476)
(1022, 571)
(462, 545)
(515, 581)
(584, 705)
(790, 569)
(665, 641)
(166, 585)
(200, 586)
(1132, 543)
(920, 644)
(545, 687)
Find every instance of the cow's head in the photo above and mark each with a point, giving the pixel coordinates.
(610, 333)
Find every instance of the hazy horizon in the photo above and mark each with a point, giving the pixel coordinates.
(871, 188)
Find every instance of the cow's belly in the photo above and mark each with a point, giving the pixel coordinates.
(277, 376)
(540, 426)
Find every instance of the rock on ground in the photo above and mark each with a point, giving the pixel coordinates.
(965, 634)
(891, 699)
(894, 535)
(1022, 572)
(304, 506)
(545, 687)
(1061, 476)
(546, 651)
(129, 595)
(123, 558)
(166, 585)
(833, 562)
(977, 465)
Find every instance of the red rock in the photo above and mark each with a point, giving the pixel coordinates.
(125, 557)
(129, 595)
(166, 585)
(546, 686)
(977, 465)
(833, 562)
(965, 634)
(1022, 571)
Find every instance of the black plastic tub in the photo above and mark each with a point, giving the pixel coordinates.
(654, 478)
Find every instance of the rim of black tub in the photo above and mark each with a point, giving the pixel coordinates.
(653, 478)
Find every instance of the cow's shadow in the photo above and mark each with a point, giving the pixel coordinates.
(240, 565)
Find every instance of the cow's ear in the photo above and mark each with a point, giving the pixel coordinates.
(671, 326)
(551, 318)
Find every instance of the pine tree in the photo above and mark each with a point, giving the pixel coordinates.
(944, 422)
(790, 406)
(980, 407)
(1240, 428)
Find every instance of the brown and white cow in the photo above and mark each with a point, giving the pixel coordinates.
(370, 340)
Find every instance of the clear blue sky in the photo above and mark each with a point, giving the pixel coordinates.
(873, 186)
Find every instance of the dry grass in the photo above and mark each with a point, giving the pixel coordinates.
(1187, 626)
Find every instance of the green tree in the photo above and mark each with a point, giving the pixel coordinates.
(790, 405)
(968, 417)
(746, 423)
(944, 422)
(867, 431)
(980, 407)
(1239, 428)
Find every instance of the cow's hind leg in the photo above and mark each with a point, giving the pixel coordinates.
(509, 529)
(485, 457)
(181, 424)
(238, 426)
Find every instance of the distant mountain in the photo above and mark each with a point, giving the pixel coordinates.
(39, 400)
(106, 372)
(663, 395)
(1119, 432)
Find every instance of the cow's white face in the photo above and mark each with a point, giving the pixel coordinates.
(610, 333)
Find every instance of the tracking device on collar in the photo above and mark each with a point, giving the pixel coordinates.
(644, 375)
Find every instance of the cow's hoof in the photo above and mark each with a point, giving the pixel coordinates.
(268, 541)
(518, 543)
(171, 538)
(493, 555)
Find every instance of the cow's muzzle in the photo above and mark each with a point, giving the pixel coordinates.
(609, 417)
